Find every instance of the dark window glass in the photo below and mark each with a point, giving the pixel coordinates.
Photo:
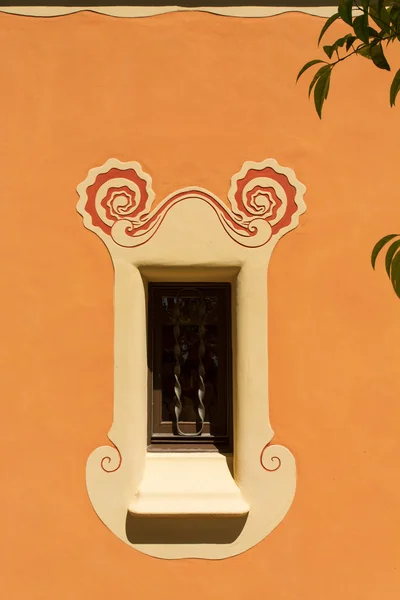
(190, 364)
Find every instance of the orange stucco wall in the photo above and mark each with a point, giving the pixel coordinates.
(191, 97)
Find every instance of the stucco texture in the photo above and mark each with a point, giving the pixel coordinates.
(191, 97)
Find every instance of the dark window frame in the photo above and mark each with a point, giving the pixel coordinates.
(162, 435)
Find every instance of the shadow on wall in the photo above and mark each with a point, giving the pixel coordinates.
(205, 529)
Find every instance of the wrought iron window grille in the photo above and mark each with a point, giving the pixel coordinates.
(190, 365)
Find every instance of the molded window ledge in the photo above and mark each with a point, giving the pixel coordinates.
(188, 484)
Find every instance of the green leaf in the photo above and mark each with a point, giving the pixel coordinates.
(350, 41)
(379, 245)
(327, 86)
(316, 77)
(374, 33)
(395, 274)
(329, 50)
(360, 26)
(326, 26)
(364, 51)
(321, 90)
(380, 15)
(378, 57)
(345, 11)
(394, 14)
(307, 66)
(341, 41)
(389, 255)
(384, 16)
(394, 88)
(396, 285)
(375, 5)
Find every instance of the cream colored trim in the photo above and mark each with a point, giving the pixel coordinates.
(148, 11)
(191, 238)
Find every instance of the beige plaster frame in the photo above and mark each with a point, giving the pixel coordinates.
(182, 239)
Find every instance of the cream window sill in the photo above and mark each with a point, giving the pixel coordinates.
(188, 484)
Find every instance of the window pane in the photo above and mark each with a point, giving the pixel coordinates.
(188, 318)
(190, 362)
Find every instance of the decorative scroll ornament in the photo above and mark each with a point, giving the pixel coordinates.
(116, 200)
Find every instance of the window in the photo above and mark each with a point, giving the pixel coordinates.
(190, 399)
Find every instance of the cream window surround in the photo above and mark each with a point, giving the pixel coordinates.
(191, 505)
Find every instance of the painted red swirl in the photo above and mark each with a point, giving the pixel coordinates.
(109, 459)
(273, 459)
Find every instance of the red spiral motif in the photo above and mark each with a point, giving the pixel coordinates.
(109, 460)
(272, 459)
(118, 199)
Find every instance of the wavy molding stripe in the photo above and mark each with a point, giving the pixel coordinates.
(149, 11)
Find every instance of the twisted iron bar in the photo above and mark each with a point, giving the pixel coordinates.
(177, 368)
(202, 349)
